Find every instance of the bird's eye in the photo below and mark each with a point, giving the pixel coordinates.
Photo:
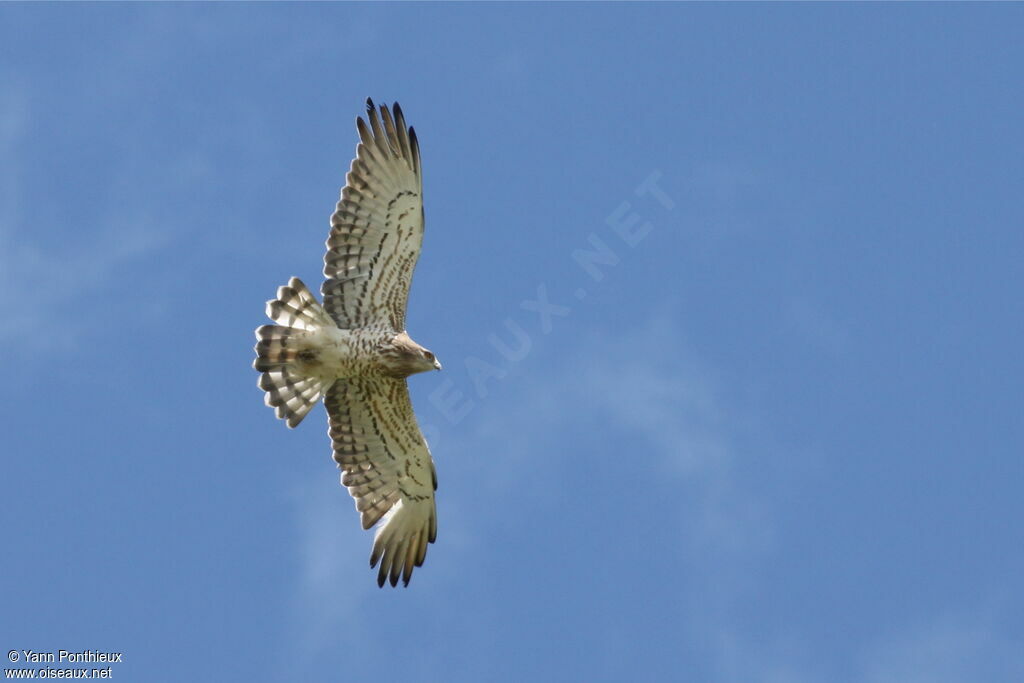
(428, 355)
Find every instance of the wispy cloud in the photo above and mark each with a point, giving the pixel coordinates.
(643, 387)
(47, 277)
(48, 281)
(330, 586)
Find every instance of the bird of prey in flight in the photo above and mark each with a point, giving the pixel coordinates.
(354, 352)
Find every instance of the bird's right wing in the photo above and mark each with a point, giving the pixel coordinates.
(377, 227)
(387, 468)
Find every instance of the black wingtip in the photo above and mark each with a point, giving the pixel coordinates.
(369, 104)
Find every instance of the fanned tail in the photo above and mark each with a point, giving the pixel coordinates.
(291, 393)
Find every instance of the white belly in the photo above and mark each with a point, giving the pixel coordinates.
(331, 353)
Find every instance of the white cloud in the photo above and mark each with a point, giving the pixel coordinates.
(331, 585)
(49, 281)
(643, 385)
(47, 277)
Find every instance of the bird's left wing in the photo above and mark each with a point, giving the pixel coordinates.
(387, 468)
(377, 228)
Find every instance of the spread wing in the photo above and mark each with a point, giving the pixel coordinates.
(387, 468)
(377, 228)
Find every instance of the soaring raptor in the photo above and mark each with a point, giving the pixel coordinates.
(354, 352)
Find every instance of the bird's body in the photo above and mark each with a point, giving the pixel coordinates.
(330, 353)
(353, 351)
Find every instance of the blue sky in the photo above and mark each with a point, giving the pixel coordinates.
(774, 436)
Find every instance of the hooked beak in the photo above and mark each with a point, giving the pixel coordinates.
(437, 364)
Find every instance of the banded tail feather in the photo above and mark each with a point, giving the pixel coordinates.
(291, 393)
(295, 306)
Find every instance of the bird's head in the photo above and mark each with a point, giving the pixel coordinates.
(427, 360)
(403, 357)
